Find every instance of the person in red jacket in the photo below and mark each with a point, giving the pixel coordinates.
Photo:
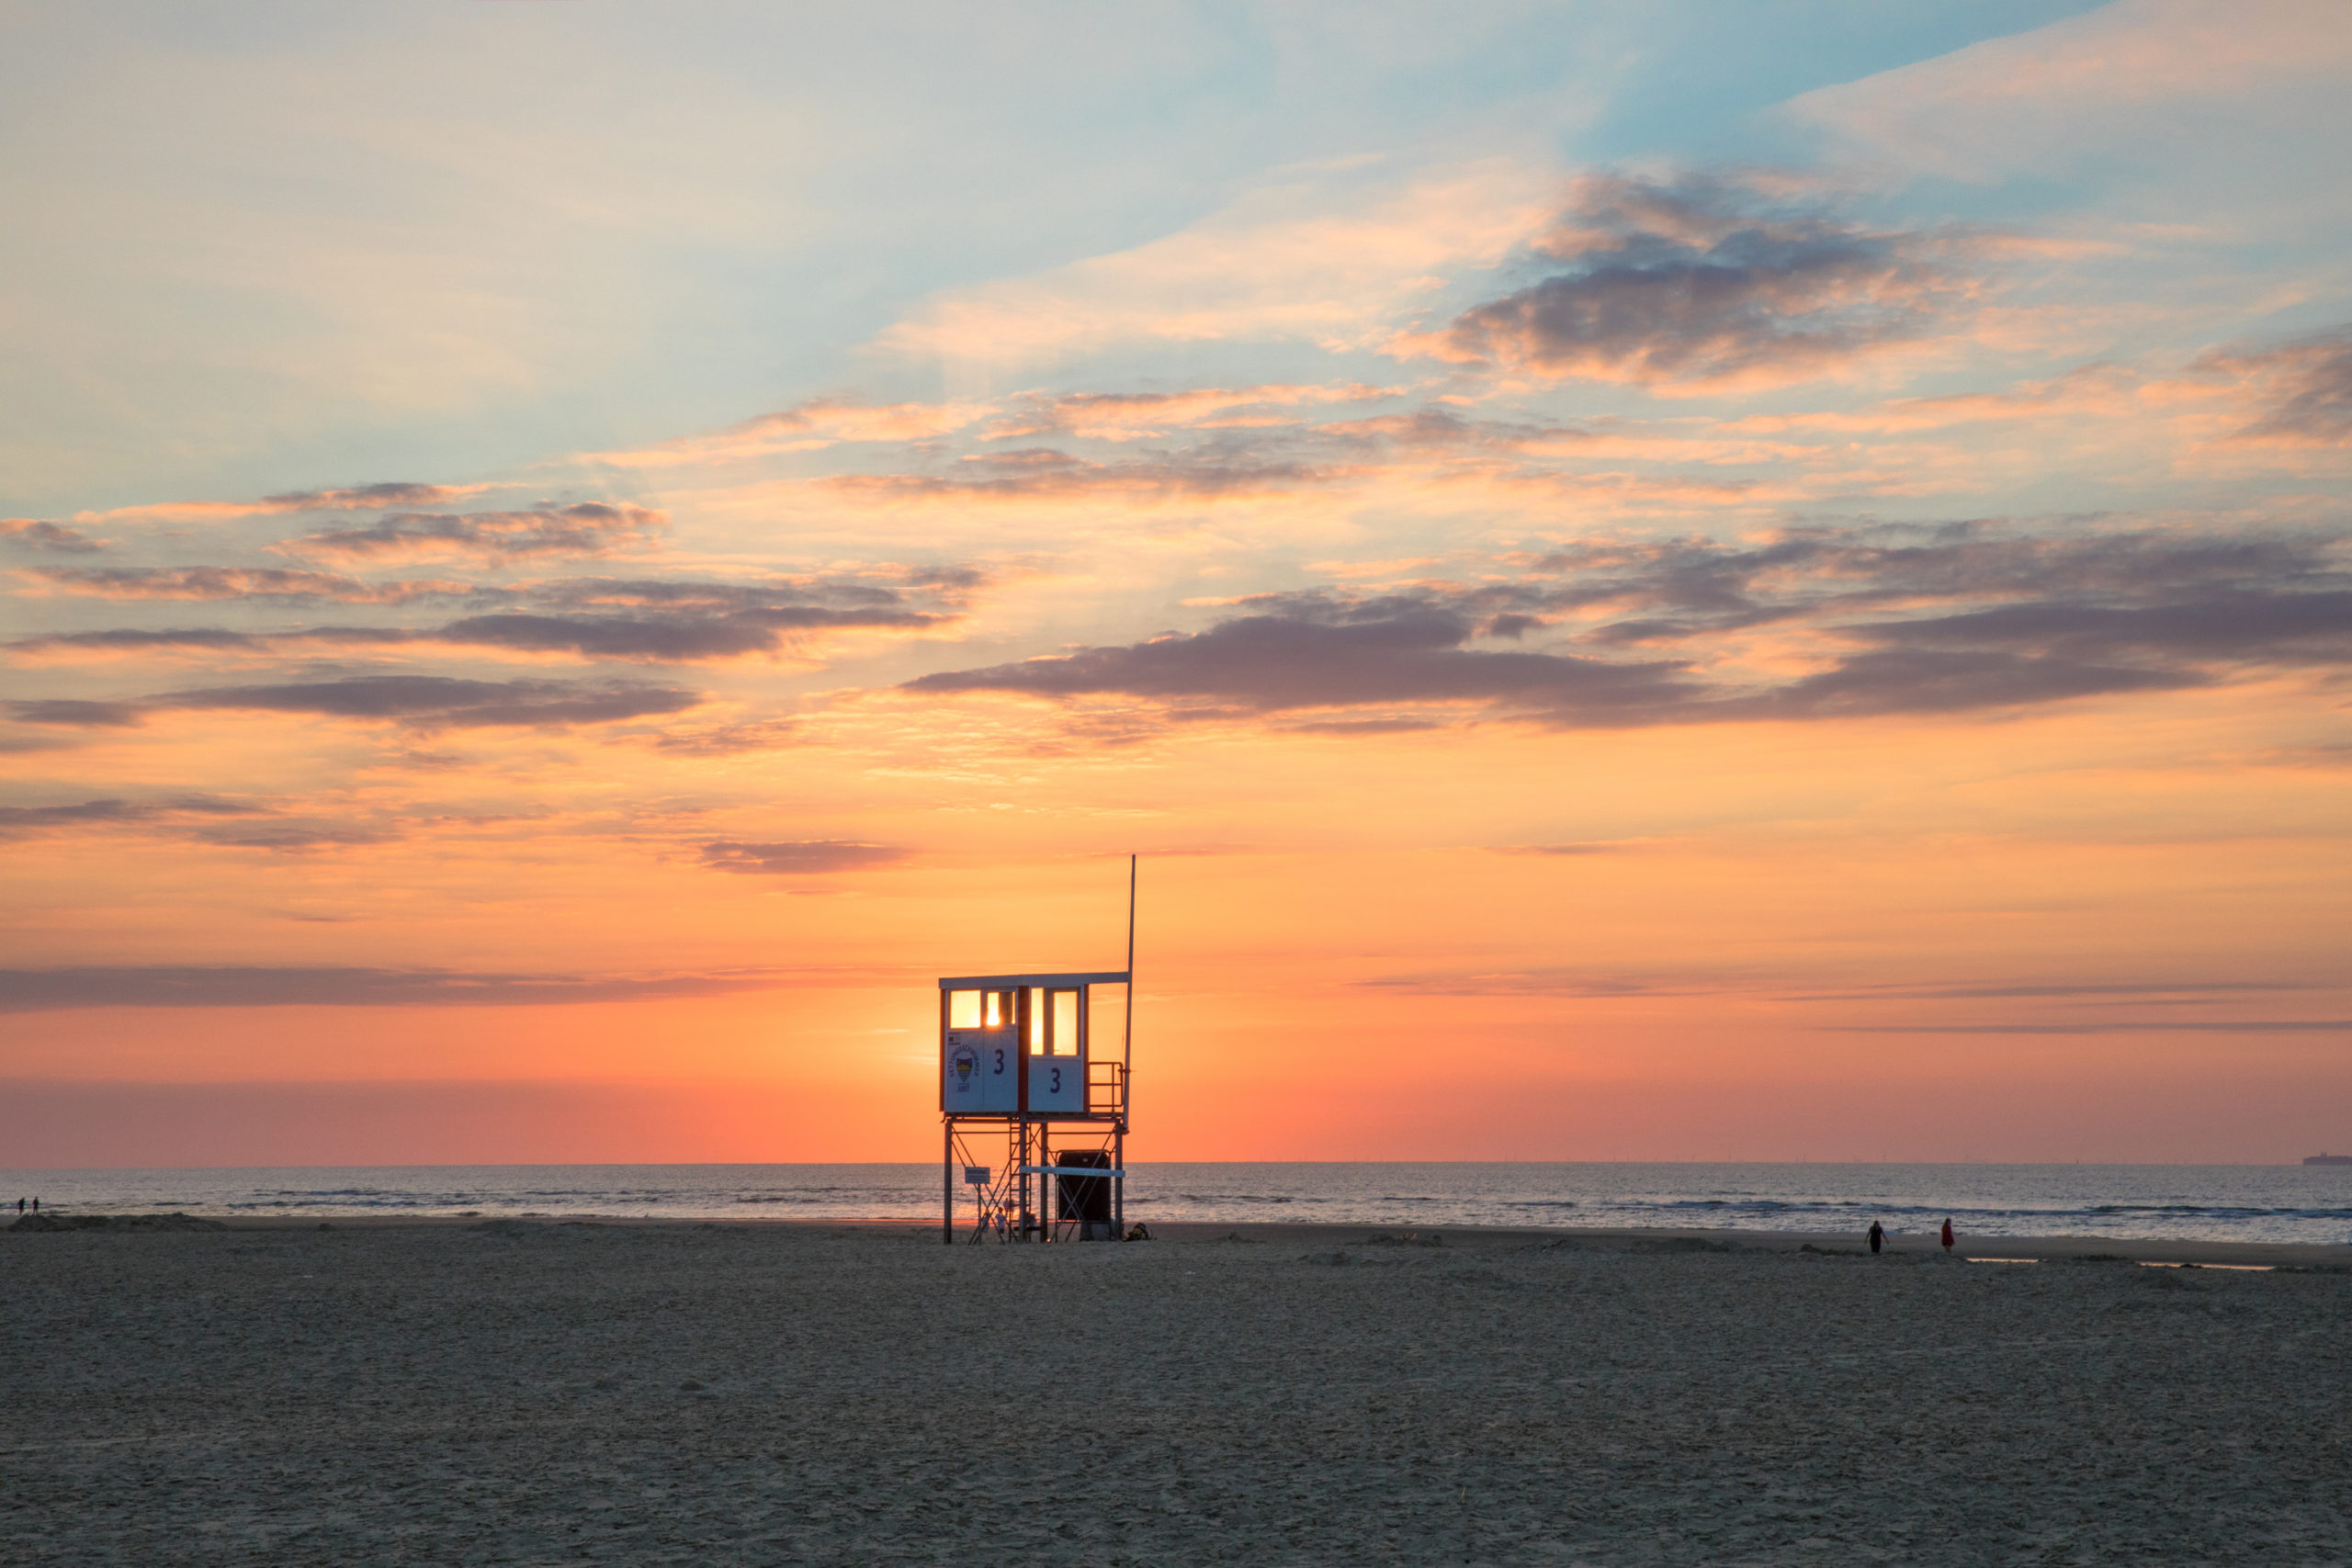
(1946, 1234)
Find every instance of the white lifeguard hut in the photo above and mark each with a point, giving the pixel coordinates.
(1027, 1080)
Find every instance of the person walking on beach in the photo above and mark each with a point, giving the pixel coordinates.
(1878, 1237)
(1947, 1235)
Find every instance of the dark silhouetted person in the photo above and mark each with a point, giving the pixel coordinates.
(1878, 1237)
(1946, 1234)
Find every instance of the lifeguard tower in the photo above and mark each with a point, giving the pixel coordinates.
(1030, 1092)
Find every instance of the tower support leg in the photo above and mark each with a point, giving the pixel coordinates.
(947, 1188)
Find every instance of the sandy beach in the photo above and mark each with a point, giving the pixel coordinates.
(516, 1392)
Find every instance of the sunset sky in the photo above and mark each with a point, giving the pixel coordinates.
(1650, 580)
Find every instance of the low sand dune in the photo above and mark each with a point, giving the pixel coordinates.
(523, 1393)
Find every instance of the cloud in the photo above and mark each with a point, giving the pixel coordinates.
(729, 739)
(15, 819)
(1944, 619)
(212, 639)
(677, 638)
(432, 702)
(74, 713)
(1135, 416)
(1600, 847)
(353, 498)
(814, 857)
(190, 985)
(2304, 388)
(1311, 650)
(361, 498)
(295, 837)
(586, 528)
(810, 427)
(1698, 285)
(2138, 991)
(18, 821)
(55, 539)
(643, 619)
(1911, 681)
(1544, 983)
(240, 582)
(1323, 260)
(687, 621)
(1038, 473)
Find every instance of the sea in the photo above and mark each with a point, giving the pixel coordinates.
(2225, 1203)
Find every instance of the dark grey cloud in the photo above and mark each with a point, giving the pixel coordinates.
(18, 821)
(1931, 681)
(190, 985)
(74, 713)
(640, 619)
(242, 582)
(1943, 619)
(30, 818)
(679, 636)
(359, 498)
(1310, 650)
(1699, 280)
(51, 538)
(294, 837)
(2222, 622)
(133, 640)
(1207, 471)
(440, 700)
(809, 857)
(2305, 386)
(587, 528)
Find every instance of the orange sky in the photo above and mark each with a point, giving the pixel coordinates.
(1610, 643)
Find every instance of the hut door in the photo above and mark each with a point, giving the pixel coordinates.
(1057, 1050)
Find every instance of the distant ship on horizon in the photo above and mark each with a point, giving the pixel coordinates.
(2327, 1159)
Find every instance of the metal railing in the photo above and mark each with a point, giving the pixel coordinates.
(1106, 1088)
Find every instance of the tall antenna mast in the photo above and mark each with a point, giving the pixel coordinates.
(1127, 1045)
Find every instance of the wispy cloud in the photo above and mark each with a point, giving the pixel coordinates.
(807, 857)
(240, 582)
(74, 713)
(195, 985)
(18, 821)
(584, 528)
(435, 702)
(810, 427)
(2302, 387)
(1045, 473)
(643, 619)
(1296, 261)
(1139, 416)
(352, 498)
